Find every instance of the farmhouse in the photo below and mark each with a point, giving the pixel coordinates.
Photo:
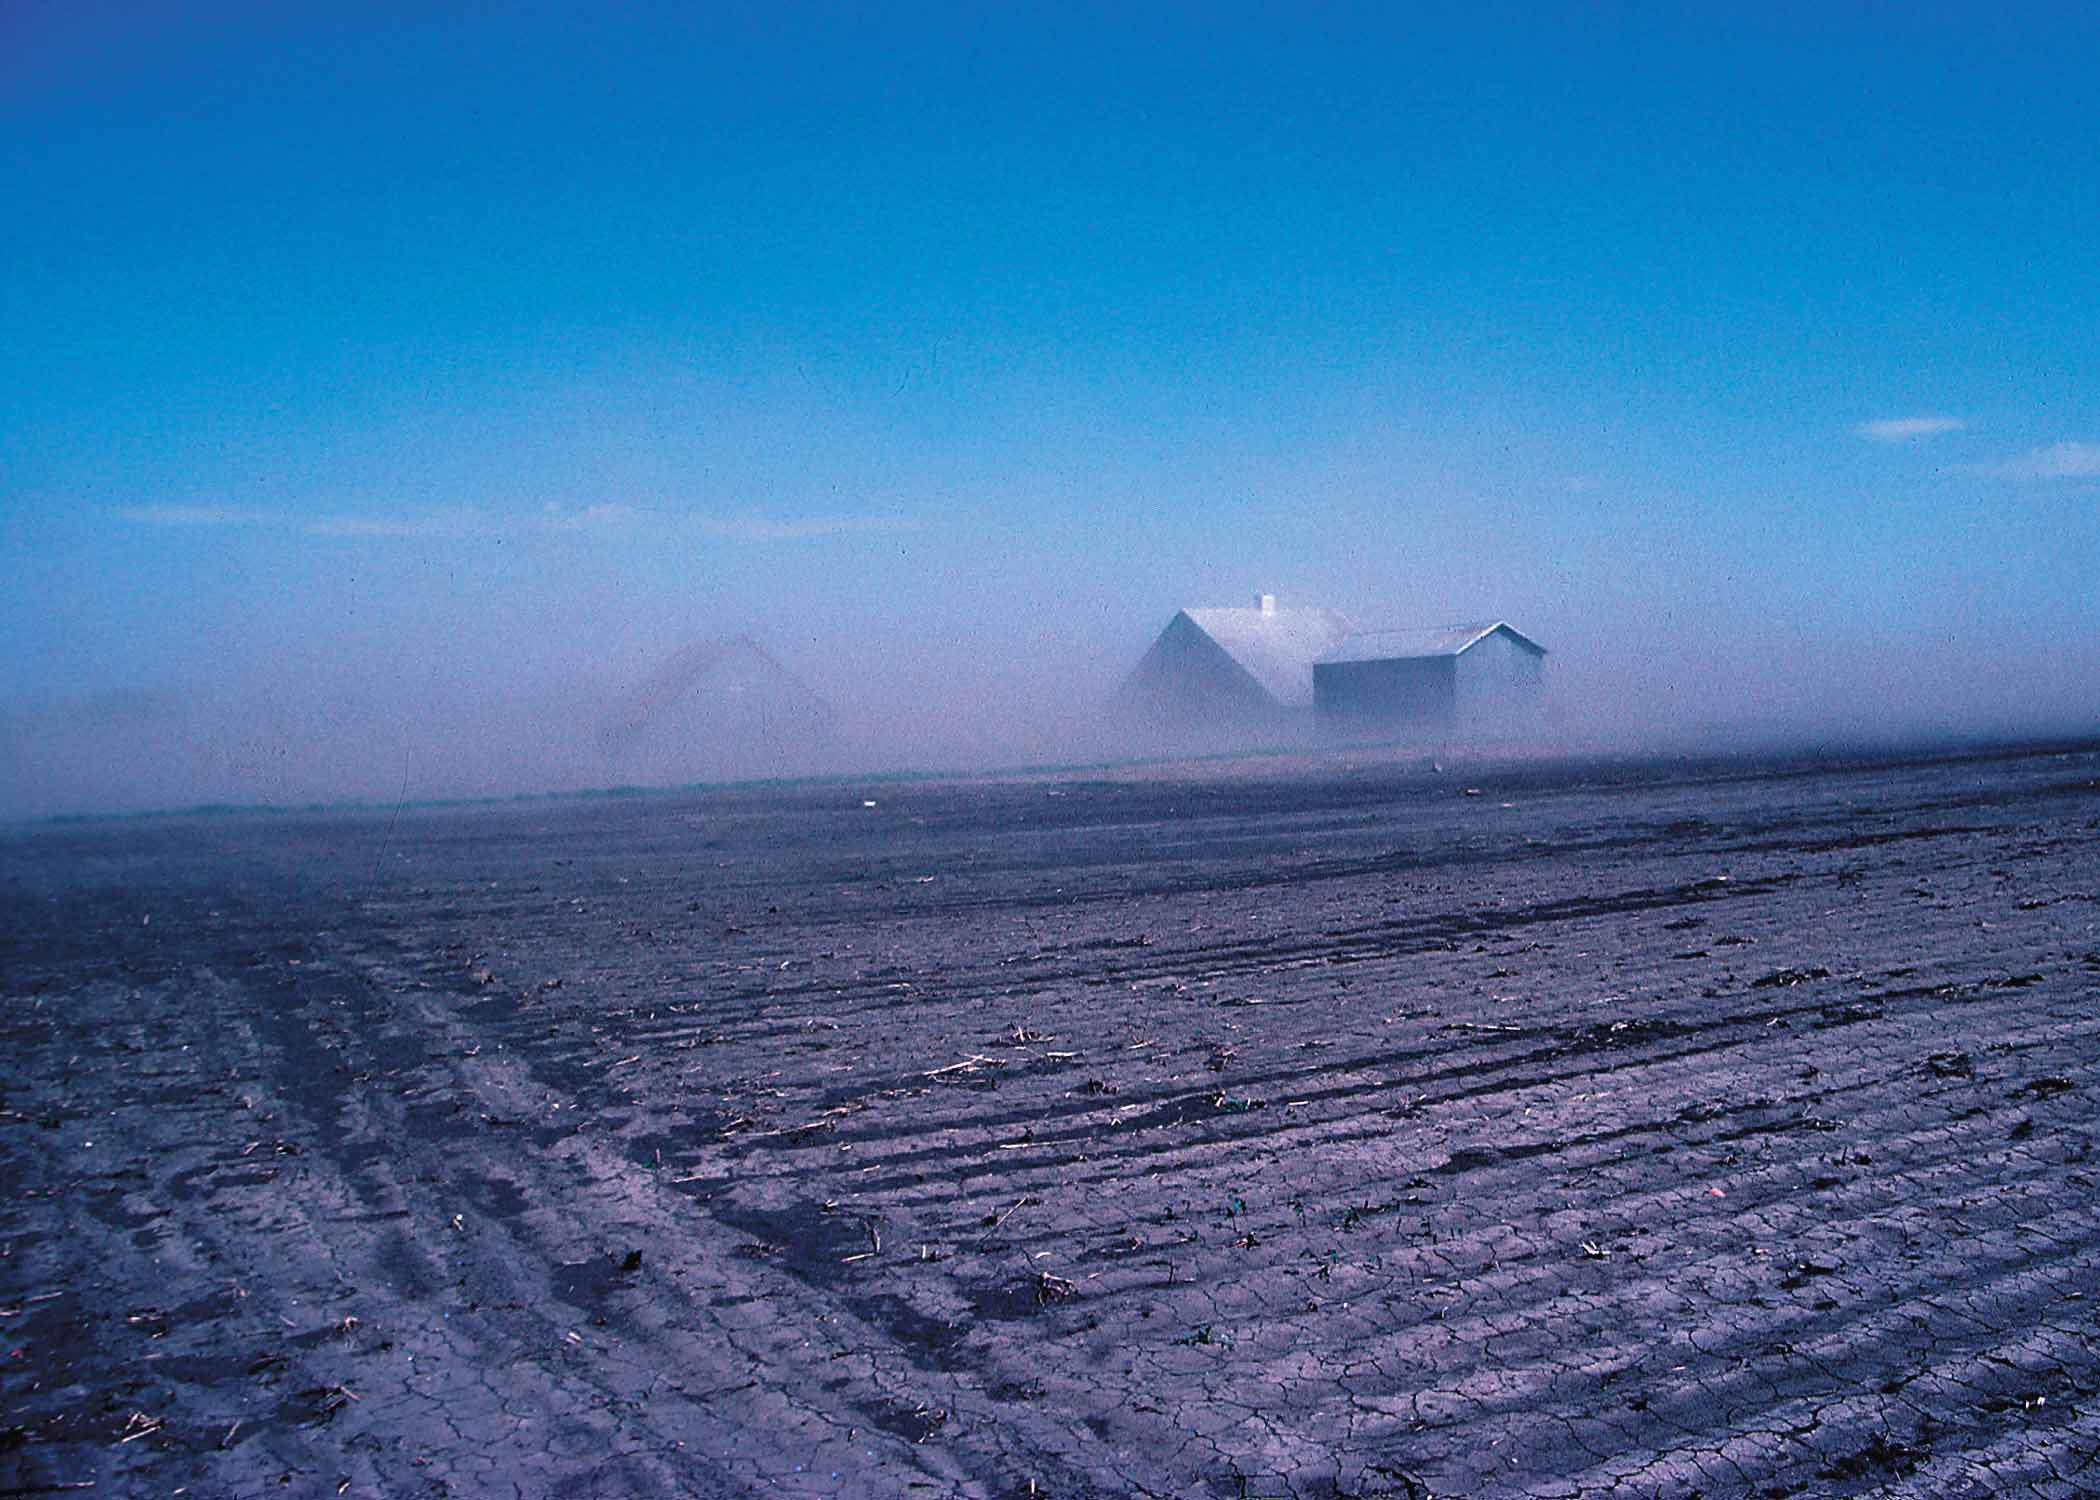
(715, 707)
(1219, 667)
(1466, 676)
(1263, 666)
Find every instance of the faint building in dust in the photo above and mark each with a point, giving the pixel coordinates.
(1484, 676)
(717, 708)
(1220, 668)
(1265, 666)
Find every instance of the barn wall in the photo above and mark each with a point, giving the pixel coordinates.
(1498, 682)
(1399, 690)
(1187, 677)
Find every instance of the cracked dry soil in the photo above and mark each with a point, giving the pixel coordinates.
(1671, 1130)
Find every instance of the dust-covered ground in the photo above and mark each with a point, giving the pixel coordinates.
(1323, 1129)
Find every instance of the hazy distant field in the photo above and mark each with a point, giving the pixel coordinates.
(1343, 1129)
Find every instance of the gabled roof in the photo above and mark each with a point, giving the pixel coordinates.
(1434, 640)
(1276, 649)
(729, 669)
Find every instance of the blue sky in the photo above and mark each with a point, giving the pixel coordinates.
(924, 342)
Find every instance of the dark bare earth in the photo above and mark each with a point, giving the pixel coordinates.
(1719, 1130)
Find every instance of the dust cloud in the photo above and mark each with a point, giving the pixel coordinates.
(380, 722)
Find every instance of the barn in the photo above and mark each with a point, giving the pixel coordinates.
(1475, 677)
(1223, 667)
(716, 708)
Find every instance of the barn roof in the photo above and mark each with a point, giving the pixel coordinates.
(1434, 640)
(735, 665)
(1276, 648)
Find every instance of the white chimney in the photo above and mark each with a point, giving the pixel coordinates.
(1266, 603)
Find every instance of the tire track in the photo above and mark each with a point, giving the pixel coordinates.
(1268, 1138)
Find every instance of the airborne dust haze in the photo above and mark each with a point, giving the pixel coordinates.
(392, 396)
(496, 712)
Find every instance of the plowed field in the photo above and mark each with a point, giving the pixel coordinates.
(1331, 1129)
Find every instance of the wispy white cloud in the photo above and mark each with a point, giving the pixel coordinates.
(466, 521)
(1907, 429)
(198, 515)
(2056, 461)
(593, 518)
(459, 521)
(801, 529)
